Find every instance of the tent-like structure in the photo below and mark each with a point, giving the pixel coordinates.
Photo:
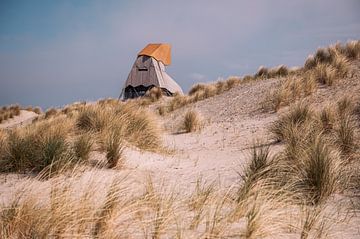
(149, 71)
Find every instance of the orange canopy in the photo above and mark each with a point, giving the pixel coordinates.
(161, 52)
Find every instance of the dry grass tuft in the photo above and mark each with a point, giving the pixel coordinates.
(345, 106)
(310, 62)
(83, 146)
(345, 135)
(323, 56)
(327, 118)
(92, 118)
(324, 74)
(154, 94)
(320, 171)
(114, 147)
(296, 117)
(35, 147)
(51, 112)
(192, 121)
(262, 72)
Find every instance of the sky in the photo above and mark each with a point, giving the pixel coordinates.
(54, 53)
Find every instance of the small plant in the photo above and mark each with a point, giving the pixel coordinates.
(262, 72)
(37, 110)
(345, 135)
(92, 118)
(82, 147)
(324, 74)
(327, 118)
(231, 82)
(323, 55)
(310, 63)
(297, 116)
(352, 49)
(341, 64)
(197, 88)
(255, 171)
(114, 147)
(192, 121)
(319, 170)
(50, 112)
(154, 94)
(345, 106)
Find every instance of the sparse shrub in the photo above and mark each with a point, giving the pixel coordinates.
(192, 121)
(82, 147)
(11, 115)
(1, 118)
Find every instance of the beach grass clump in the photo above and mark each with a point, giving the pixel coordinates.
(324, 74)
(92, 118)
(82, 146)
(299, 115)
(262, 72)
(35, 147)
(319, 171)
(328, 118)
(192, 121)
(113, 147)
(345, 135)
(154, 94)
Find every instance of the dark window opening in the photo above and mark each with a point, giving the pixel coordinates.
(142, 69)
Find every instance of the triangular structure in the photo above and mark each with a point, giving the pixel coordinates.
(149, 71)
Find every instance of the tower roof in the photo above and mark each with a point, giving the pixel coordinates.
(159, 51)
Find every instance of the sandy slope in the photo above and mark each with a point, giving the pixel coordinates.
(24, 118)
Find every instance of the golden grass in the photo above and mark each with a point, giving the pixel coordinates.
(324, 74)
(154, 94)
(64, 139)
(192, 122)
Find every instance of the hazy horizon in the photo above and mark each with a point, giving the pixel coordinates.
(56, 52)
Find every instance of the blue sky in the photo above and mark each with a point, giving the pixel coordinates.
(57, 52)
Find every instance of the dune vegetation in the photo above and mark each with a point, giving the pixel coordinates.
(308, 188)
